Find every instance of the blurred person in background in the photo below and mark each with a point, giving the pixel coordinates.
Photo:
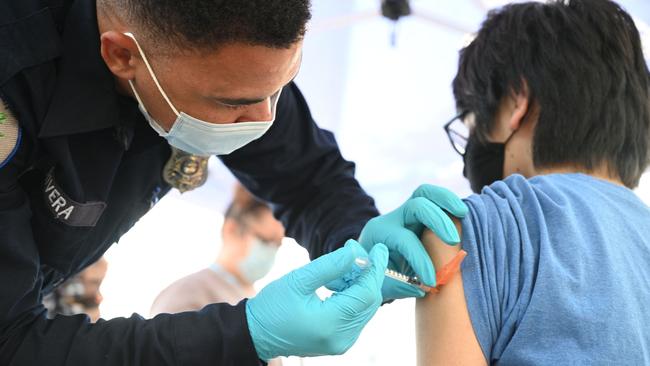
(79, 294)
(251, 237)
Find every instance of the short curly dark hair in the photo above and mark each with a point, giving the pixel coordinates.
(210, 24)
(583, 64)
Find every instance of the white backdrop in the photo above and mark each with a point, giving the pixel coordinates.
(386, 106)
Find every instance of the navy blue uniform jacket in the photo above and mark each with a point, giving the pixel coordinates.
(86, 166)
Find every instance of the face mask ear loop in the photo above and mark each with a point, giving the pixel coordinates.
(505, 143)
(153, 75)
(274, 102)
(523, 120)
(137, 96)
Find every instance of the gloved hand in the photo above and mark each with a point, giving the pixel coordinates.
(287, 318)
(401, 229)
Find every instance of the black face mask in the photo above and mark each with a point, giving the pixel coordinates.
(483, 163)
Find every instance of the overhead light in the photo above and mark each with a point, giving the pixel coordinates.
(393, 10)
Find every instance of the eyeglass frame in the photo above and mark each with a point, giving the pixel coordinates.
(449, 133)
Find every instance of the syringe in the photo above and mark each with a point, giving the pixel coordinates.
(443, 275)
(413, 281)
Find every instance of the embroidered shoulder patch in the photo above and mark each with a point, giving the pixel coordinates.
(10, 135)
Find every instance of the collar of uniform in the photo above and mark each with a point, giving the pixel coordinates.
(84, 97)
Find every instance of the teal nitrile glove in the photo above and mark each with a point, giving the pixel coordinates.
(287, 318)
(401, 229)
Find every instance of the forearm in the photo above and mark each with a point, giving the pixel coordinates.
(217, 335)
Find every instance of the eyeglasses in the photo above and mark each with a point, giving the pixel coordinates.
(458, 133)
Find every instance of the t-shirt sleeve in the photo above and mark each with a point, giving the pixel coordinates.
(495, 286)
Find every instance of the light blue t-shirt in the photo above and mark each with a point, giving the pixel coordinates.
(558, 272)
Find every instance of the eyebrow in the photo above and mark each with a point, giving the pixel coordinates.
(245, 101)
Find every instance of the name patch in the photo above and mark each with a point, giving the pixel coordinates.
(67, 210)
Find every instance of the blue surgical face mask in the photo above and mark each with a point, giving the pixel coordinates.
(258, 261)
(200, 137)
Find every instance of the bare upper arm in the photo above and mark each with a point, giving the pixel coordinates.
(444, 333)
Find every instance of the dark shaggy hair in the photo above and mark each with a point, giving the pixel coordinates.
(209, 24)
(583, 63)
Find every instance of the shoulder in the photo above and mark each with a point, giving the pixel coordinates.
(29, 34)
(517, 190)
(510, 191)
(185, 294)
(12, 12)
(172, 299)
(292, 109)
(505, 206)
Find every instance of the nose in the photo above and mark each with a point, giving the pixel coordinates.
(259, 112)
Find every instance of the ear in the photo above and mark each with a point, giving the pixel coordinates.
(521, 106)
(119, 53)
